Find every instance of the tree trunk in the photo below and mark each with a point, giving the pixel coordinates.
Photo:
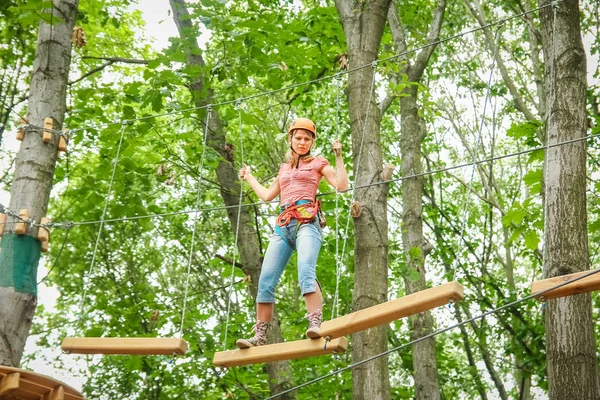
(34, 173)
(280, 376)
(363, 25)
(411, 137)
(570, 344)
(412, 134)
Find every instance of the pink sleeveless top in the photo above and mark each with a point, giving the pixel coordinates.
(300, 183)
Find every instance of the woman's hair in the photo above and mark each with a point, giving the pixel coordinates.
(292, 157)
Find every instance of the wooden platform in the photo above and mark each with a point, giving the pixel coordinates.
(132, 346)
(19, 384)
(392, 310)
(279, 351)
(584, 285)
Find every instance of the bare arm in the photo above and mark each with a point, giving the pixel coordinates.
(339, 179)
(262, 192)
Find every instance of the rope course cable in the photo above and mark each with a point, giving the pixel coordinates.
(335, 309)
(215, 289)
(478, 144)
(194, 222)
(112, 178)
(260, 203)
(357, 169)
(197, 209)
(238, 101)
(433, 334)
(317, 80)
(62, 247)
(237, 229)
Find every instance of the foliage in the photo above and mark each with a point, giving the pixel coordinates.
(485, 222)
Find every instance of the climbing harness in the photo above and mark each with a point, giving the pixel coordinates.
(195, 220)
(305, 211)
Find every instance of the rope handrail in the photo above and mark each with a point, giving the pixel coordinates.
(309, 82)
(4, 209)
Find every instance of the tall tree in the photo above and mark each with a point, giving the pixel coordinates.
(570, 344)
(527, 103)
(248, 243)
(412, 134)
(363, 26)
(34, 172)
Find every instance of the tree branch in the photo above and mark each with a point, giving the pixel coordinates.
(306, 88)
(477, 12)
(397, 31)
(110, 61)
(416, 72)
(228, 261)
(91, 72)
(117, 59)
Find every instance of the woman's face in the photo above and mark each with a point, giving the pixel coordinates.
(302, 141)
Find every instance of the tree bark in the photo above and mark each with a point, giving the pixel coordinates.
(280, 376)
(363, 24)
(34, 173)
(411, 138)
(570, 344)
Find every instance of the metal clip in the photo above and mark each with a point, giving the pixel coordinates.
(327, 340)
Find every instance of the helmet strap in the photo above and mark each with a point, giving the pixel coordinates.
(300, 156)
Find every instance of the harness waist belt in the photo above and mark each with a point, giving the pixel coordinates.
(304, 211)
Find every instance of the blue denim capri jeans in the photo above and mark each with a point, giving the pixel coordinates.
(307, 240)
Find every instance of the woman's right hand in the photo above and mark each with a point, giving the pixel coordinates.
(245, 172)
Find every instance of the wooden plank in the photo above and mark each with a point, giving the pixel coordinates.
(63, 141)
(35, 386)
(9, 383)
(58, 393)
(144, 346)
(392, 310)
(45, 246)
(21, 130)
(279, 351)
(73, 396)
(21, 227)
(43, 233)
(22, 394)
(48, 128)
(584, 285)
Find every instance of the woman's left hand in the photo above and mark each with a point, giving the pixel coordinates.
(337, 147)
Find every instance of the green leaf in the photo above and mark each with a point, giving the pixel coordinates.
(95, 331)
(525, 130)
(513, 216)
(533, 179)
(532, 239)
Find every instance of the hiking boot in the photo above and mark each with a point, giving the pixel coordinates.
(314, 324)
(259, 339)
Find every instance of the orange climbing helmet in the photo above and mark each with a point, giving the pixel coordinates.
(303, 123)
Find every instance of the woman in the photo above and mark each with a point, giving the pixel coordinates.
(298, 226)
